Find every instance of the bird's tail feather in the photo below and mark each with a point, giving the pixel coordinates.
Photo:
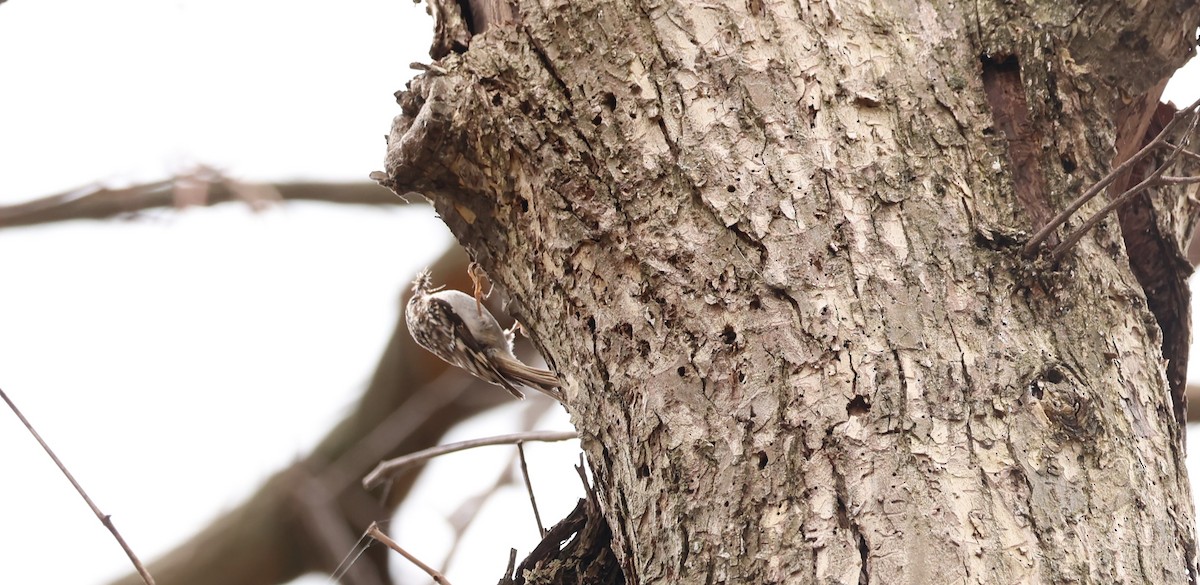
(543, 381)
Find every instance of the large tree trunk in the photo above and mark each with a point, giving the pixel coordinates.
(773, 251)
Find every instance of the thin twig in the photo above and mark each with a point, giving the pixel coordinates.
(1185, 152)
(392, 467)
(1034, 242)
(1123, 198)
(99, 202)
(105, 519)
(529, 487)
(467, 513)
(374, 532)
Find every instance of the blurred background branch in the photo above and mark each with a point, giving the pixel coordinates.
(200, 187)
(309, 516)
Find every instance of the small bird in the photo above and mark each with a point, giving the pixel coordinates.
(455, 327)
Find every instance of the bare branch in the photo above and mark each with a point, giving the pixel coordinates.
(105, 519)
(203, 188)
(374, 532)
(1034, 242)
(393, 467)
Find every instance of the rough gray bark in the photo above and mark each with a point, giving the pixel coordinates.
(772, 249)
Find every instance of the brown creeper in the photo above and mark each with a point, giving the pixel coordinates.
(452, 326)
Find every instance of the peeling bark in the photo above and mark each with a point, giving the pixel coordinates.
(1157, 227)
(772, 250)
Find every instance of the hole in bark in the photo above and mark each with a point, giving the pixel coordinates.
(643, 348)
(731, 188)
(762, 459)
(596, 121)
(525, 108)
(625, 329)
(610, 101)
(1035, 390)
(756, 303)
(1068, 165)
(591, 323)
(741, 378)
(643, 471)
(468, 16)
(1054, 376)
(496, 99)
(682, 371)
(1000, 62)
(524, 204)
(729, 336)
(858, 406)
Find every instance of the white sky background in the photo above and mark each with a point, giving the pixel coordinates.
(177, 360)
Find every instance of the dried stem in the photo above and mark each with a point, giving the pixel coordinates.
(1036, 241)
(374, 532)
(529, 487)
(105, 519)
(392, 467)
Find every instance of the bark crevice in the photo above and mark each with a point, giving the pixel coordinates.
(1006, 97)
